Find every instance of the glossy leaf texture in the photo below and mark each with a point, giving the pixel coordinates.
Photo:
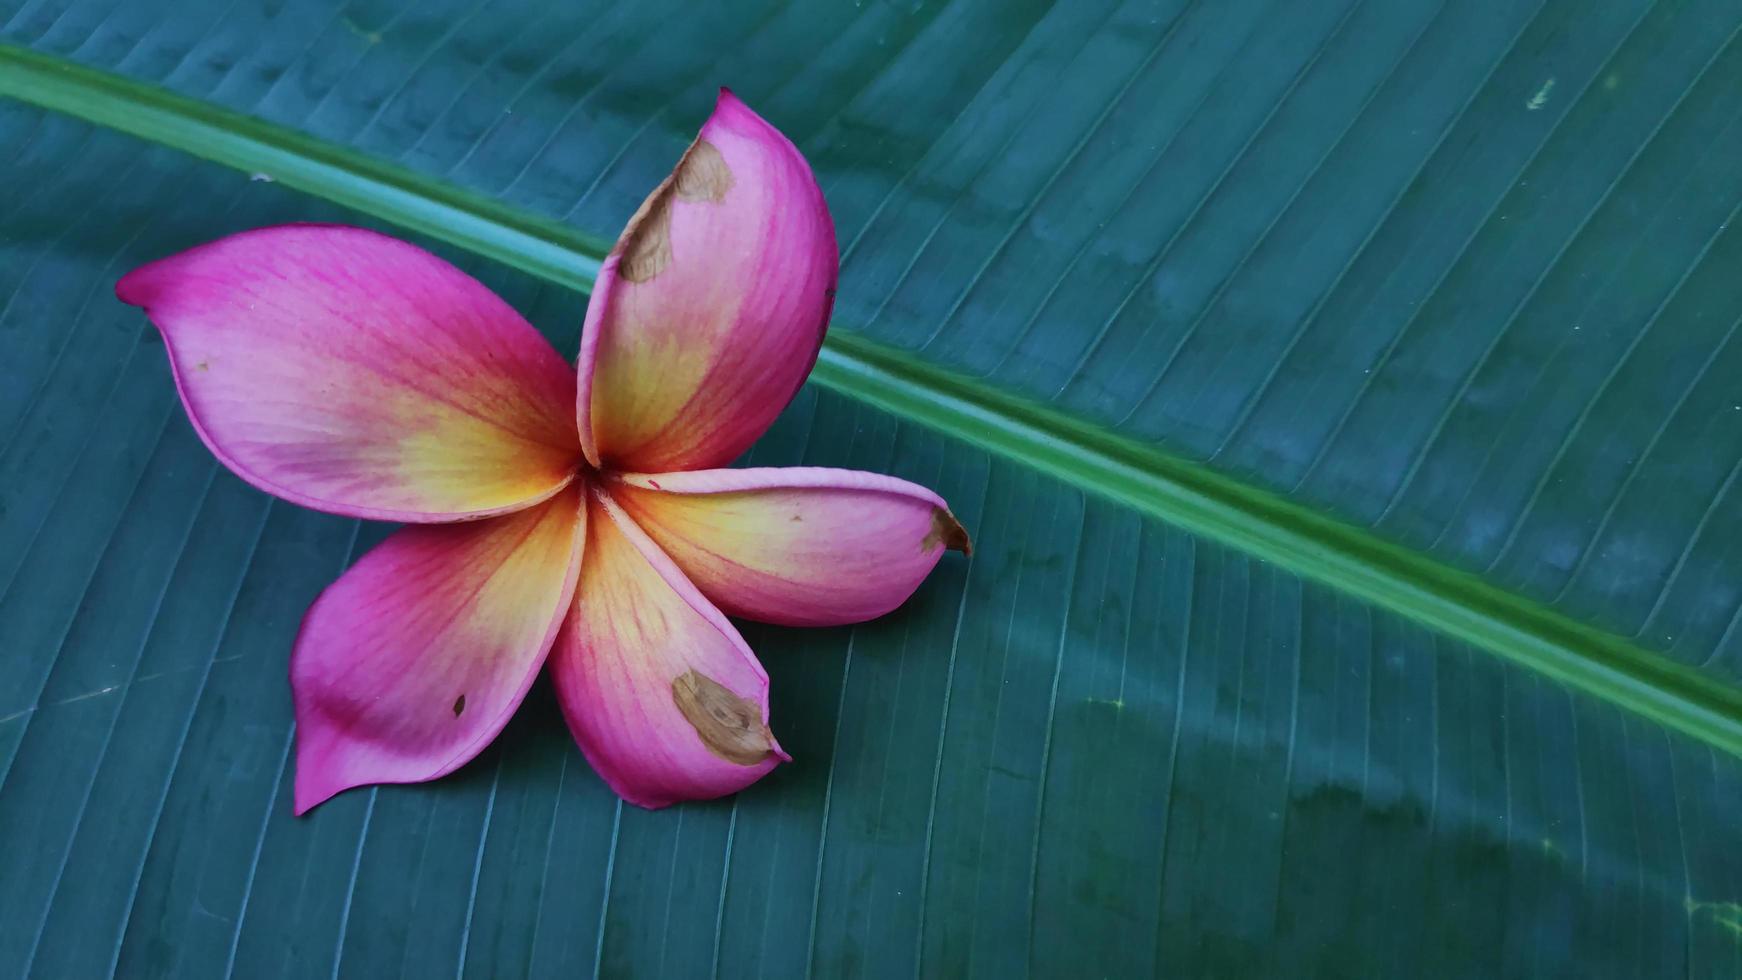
(1458, 275)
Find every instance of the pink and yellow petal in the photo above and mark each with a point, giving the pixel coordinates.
(660, 691)
(708, 314)
(350, 372)
(801, 546)
(411, 662)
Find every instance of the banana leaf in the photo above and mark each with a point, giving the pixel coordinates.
(1341, 395)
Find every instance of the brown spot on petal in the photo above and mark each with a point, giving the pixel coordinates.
(828, 310)
(645, 248)
(646, 243)
(459, 705)
(702, 174)
(730, 726)
(947, 531)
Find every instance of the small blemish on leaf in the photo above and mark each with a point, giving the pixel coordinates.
(459, 705)
(948, 532)
(202, 366)
(1540, 99)
(373, 37)
(797, 518)
(729, 726)
(1725, 915)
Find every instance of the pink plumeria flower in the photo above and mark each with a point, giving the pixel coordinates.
(580, 521)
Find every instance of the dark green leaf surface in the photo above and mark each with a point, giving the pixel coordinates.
(1457, 272)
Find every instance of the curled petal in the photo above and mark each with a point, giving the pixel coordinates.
(411, 662)
(660, 691)
(708, 314)
(350, 372)
(800, 546)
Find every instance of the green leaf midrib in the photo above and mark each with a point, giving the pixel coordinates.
(1187, 494)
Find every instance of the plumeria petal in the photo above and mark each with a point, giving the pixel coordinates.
(800, 546)
(709, 312)
(659, 689)
(351, 372)
(411, 662)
